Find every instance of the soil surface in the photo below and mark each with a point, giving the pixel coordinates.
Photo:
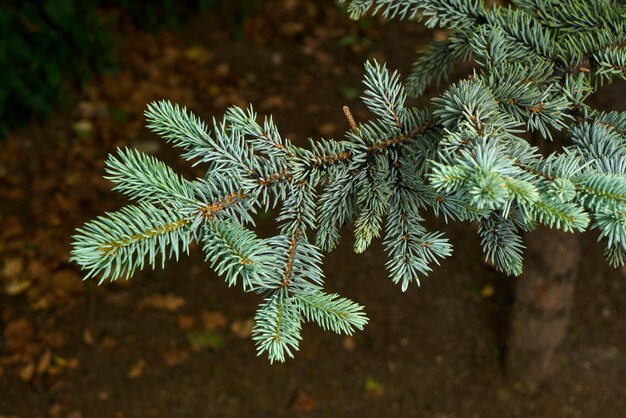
(175, 342)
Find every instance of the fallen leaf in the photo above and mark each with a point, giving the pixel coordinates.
(137, 370)
(55, 370)
(302, 403)
(291, 29)
(348, 343)
(487, 291)
(327, 129)
(12, 267)
(222, 70)
(109, 342)
(185, 322)
(44, 362)
(168, 302)
(175, 357)
(55, 410)
(213, 320)
(88, 338)
(18, 334)
(242, 328)
(52, 338)
(199, 54)
(27, 372)
(83, 128)
(373, 387)
(40, 304)
(69, 363)
(440, 35)
(275, 103)
(15, 286)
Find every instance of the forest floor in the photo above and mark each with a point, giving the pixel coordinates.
(176, 343)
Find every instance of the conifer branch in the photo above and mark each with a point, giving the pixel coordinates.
(463, 157)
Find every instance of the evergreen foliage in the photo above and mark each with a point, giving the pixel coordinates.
(464, 158)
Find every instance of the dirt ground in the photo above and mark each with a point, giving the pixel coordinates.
(175, 343)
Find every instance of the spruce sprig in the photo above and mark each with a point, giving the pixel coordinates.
(464, 158)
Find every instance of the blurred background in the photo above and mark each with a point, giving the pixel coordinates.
(75, 77)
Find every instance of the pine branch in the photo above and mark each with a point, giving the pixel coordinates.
(331, 311)
(502, 245)
(384, 94)
(410, 247)
(277, 328)
(464, 158)
(144, 178)
(438, 13)
(235, 251)
(118, 243)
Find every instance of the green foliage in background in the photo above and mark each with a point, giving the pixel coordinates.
(48, 46)
(464, 158)
(42, 46)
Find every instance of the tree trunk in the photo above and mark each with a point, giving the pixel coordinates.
(544, 296)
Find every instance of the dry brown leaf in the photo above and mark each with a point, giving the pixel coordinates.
(44, 362)
(327, 129)
(55, 370)
(18, 334)
(348, 343)
(185, 322)
(52, 338)
(12, 267)
(69, 363)
(222, 70)
(440, 35)
(213, 320)
(373, 388)
(27, 372)
(274, 103)
(175, 357)
(242, 328)
(198, 54)
(15, 286)
(41, 304)
(109, 343)
(88, 338)
(292, 28)
(302, 403)
(55, 409)
(137, 370)
(168, 302)
(83, 127)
